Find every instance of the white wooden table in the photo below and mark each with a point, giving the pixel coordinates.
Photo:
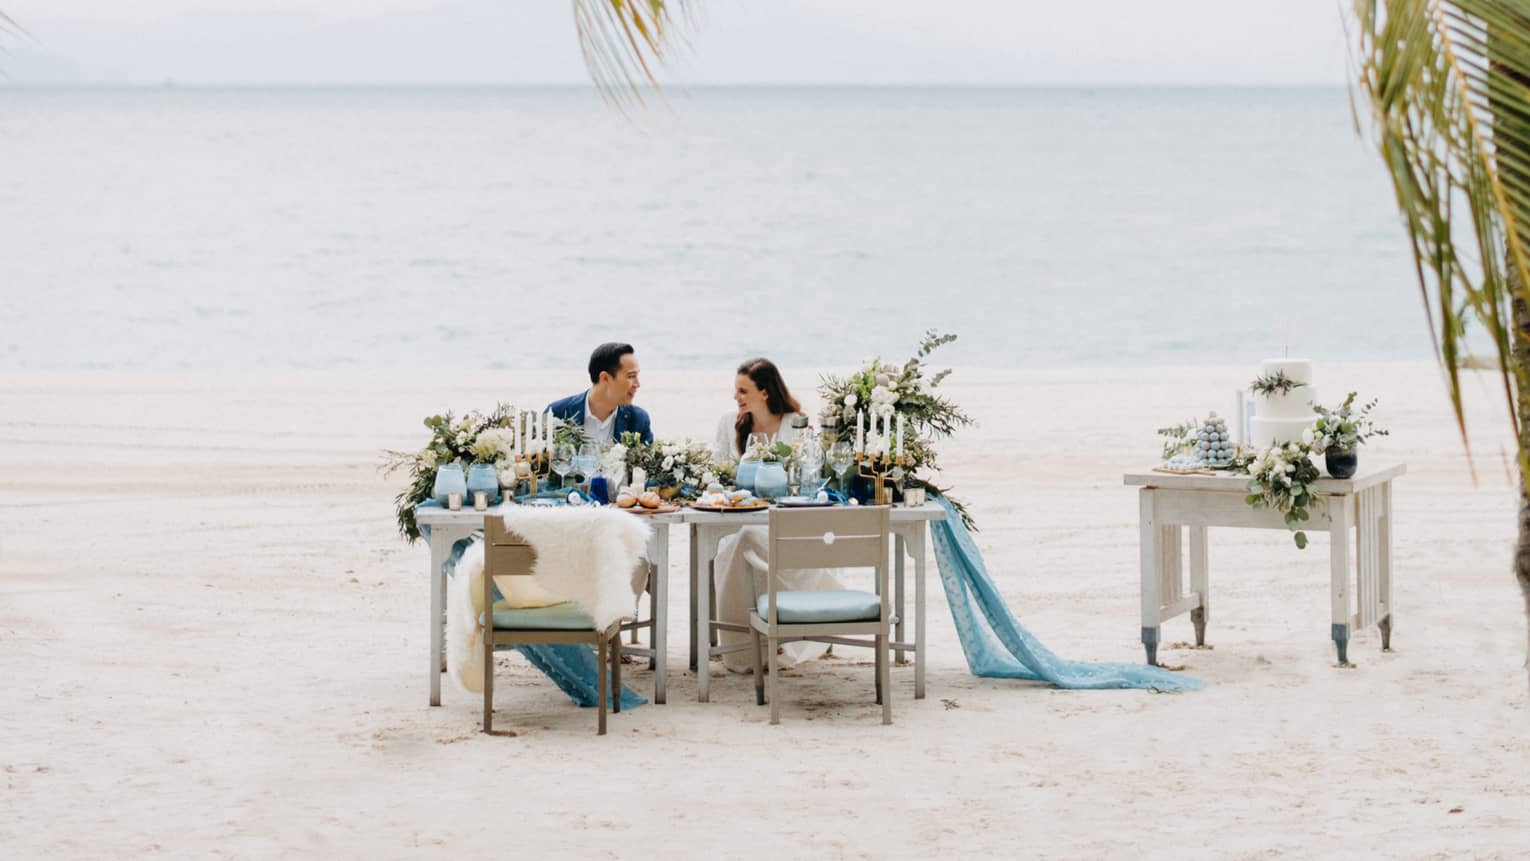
(910, 526)
(1357, 515)
(449, 527)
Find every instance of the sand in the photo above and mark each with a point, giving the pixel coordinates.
(213, 644)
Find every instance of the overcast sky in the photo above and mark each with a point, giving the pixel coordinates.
(1205, 42)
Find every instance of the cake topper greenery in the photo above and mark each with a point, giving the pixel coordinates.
(1276, 383)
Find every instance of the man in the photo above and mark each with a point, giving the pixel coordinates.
(606, 410)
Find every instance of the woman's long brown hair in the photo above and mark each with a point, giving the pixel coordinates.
(778, 399)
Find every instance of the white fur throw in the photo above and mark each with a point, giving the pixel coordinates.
(585, 555)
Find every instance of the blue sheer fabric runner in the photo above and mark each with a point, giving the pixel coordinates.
(571, 666)
(998, 646)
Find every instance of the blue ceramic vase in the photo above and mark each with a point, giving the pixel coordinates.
(770, 480)
(481, 476)
(449, 479)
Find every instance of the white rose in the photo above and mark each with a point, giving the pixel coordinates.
(669, 463)
(1307, 436)
(851, 400)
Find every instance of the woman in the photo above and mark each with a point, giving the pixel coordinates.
(765, 406)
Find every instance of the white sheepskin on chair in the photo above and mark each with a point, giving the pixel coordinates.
(584, 555)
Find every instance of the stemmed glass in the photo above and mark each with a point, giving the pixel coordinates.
(841, 458)
(562, 461)
(758, 442)
(586, 462)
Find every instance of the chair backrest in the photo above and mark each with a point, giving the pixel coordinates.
(505, 554)
(829, 538)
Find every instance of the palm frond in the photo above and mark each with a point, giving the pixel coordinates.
(623, 40)
(1445, 84)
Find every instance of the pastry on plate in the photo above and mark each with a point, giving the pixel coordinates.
(650, 500)
(626, 500)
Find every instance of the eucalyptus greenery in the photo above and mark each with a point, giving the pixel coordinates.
(1281, 478)
(1343, 429)
(1177, 438)
(1276, 383)
(891, 390)
(453, 439)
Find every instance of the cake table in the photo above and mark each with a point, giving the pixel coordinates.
(1357, 515)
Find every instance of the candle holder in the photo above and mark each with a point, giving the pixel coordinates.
(879, 468)
(530, 467)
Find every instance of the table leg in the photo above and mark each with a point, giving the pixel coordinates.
(440, 548)
(899, 548)
(1339, 572)
(917, 549)
(701, 625)
(660, 614)
(1152, 604)
(695, 548)
(1199, 582)
(1384, 561)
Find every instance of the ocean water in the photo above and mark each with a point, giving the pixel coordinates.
(512, 227)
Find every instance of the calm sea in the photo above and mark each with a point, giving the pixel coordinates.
(198, 228)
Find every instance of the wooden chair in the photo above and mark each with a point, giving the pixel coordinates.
(819, 538)
(507, 554)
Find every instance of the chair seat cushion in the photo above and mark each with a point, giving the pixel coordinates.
(816, 606)
(559, 617)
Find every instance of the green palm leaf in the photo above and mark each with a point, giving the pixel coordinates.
(1445, 85)
(623, 40)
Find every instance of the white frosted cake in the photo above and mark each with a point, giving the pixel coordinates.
(1280, 417)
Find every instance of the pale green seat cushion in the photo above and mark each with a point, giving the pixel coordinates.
(559, 617)
(816, 606)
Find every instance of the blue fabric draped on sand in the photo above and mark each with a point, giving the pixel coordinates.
(570, 666)
(998, 646)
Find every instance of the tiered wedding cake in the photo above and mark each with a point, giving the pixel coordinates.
(1281, 416)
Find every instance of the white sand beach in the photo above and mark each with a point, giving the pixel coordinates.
(213, 643)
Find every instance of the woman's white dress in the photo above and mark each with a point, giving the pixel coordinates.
(735, 598)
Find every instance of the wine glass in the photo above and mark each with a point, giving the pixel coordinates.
(587, 462)
(562, 461)
(841, 458)
(758, 442)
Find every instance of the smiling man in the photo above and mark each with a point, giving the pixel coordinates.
(606, 410)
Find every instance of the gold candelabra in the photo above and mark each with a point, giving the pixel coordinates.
(530, 467)
(879, 468)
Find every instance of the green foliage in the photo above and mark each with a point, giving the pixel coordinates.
(1342, 430)
(905, 390)
(1276, 383)
(1177, 438)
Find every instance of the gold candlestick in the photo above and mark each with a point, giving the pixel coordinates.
(878, 468)
(531, 467)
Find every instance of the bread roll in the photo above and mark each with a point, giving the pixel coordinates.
(650, 500)
(626, 500)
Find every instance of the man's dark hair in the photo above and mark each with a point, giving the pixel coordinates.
(608, 358)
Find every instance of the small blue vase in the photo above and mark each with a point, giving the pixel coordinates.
(481, 476)
(744, 478)
(770, 481)
(449, 479)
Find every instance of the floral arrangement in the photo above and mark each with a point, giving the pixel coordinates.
(1276, 383)
(685, 464)
(1342, 430)
(885, 391)
(469, 438)
(1281, 479)
(778, 452)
